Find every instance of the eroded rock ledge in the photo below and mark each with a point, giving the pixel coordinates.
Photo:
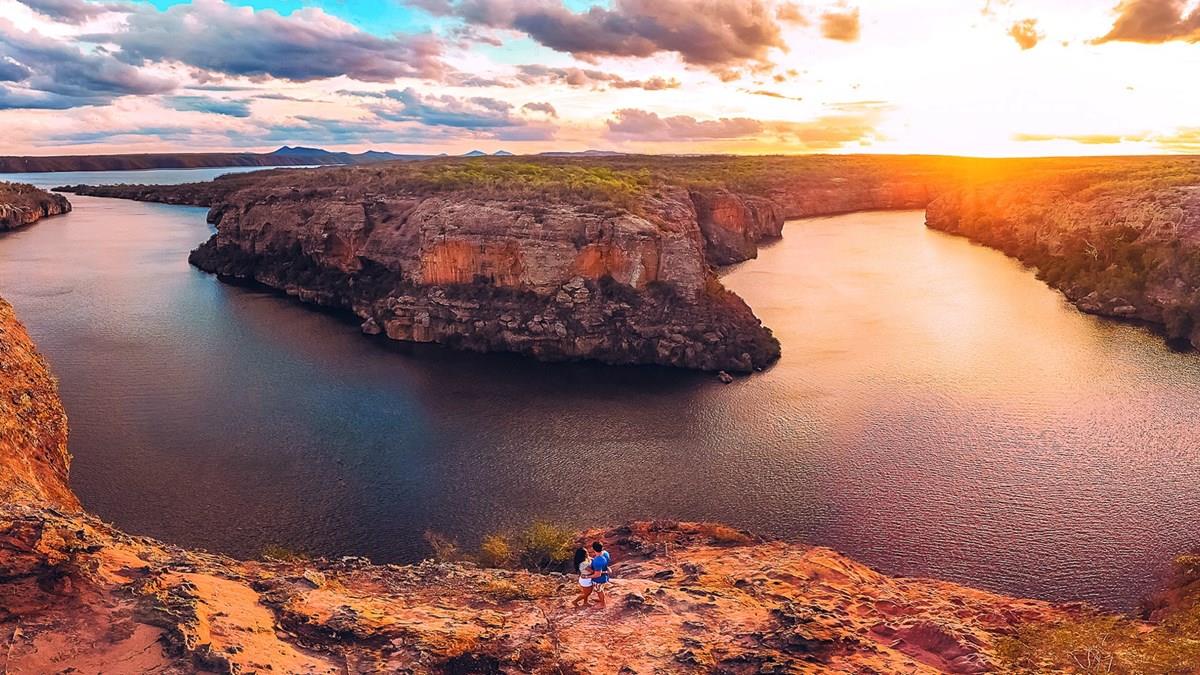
(22, 205)
(1119, 237)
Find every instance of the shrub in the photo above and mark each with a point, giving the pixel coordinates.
(724, 535)
(544, 545)
(281, 553)
(444, 548)
(495, 551)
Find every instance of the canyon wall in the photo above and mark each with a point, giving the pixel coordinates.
(33, 426)
(552, 279)
(1119, 238)
(22, 205)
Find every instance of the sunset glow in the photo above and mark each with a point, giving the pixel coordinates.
(1005, 77)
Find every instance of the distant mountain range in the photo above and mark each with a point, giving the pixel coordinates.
(285, 156)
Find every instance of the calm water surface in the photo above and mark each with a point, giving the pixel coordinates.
(938, 411)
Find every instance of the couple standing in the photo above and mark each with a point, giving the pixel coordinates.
(593, 574)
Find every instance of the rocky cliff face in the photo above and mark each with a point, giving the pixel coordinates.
(33, 426)
(1119, 239)
(22, 205)
(552, 279)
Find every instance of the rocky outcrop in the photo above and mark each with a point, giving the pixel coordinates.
(33, 426)
(555, 280)
(22, 205)
(734, 225)
(1119, 238)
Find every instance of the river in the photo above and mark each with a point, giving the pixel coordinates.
(937, 412)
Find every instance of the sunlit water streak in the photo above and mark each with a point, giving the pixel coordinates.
(938, 411)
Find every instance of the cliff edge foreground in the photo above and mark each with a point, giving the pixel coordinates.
(77, 595)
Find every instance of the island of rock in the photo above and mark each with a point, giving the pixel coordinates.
(22, 205)
(609, 259)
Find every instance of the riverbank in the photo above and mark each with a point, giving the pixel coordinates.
(1119, 238)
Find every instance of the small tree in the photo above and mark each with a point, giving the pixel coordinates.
(495, 551)
(544, 545)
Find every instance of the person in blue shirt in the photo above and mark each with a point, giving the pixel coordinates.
(601, 567)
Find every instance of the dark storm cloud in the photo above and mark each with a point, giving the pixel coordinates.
(58, 75)
(11, 71)
(306, 45)
(587, 77)
(1154, 21)
(843, 26)
(716, 34)
(214, 106)
(1026, 33)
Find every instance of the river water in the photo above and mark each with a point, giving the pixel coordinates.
(938, 411)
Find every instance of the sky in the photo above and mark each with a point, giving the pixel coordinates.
(967, 77)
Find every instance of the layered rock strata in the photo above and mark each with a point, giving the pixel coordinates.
(22, 205)
(555, 280)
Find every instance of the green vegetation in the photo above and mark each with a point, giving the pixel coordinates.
(280, 553)
(541, 547)
(1095, 643)
(488, 177)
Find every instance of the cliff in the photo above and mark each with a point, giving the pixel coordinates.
(583, 258)
(1119, 237)
(22, 205)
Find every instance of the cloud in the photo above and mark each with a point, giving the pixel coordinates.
(715, 34)
(306, 45)
(823, 133)
(648, 126)
(70, 11)
(843, 26)
(11, 71)
(771, 94)
(546, 108)
(586, 77)
(478, 112)
(58, 75)
(1026, 33)
(1084, 139)
(1154, 21)
(214, 106)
